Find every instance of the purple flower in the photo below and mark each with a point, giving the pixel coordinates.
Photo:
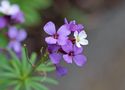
(61, 71)
(16, 37)
(73, 54)
(54, 56)
(11, 14)
(72, 26)
(59, 37)
(18, 17)
(2, 22)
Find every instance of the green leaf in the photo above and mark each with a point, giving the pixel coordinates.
(38, 86)
(13, 83)
(8, 75)
(3, 85)
(24, 61)
(43, 67)
(12, 74)
(33, 58)
(27, 84)
(16, 66)
(18, 86)
(51, 81)
(7, 67)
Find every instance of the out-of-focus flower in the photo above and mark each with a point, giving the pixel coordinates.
(72, 26)
(55, 57)
(73, 53)
(8, 9)
(59, 37)
(18, 17)
(61, 71)
(2, 22)
(11, 14)
(16, 37)
(80, 38)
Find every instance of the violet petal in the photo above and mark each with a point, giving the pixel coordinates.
(13, 32)
(63, 30)
(62, 40)
(68, 47)
(50, 28)
(55, 58)
(50, 40)
(61, 71)
(67, 58)
(21, 35)
(80, 60)
(77, 50)
(3, 22)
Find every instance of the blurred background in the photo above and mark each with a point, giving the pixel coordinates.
(104, 22)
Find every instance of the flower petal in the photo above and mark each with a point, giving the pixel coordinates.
(63, 30)
(21, 35)
(53, 48)
(78, 44)
(72, 22)
(84, 42)
(3, 22)
(80, 60)
(65, 21)
(61, 71)
(68, 47)
(16, 46)
(18, 17)
(82, 34)
(80, 27)
(62, 40)
(14, 9)
(50, 40)
(67, 58)
(50, 28)
(55, 58)
(4, 6)
(76, 34)
(13, 32)
(77, 50)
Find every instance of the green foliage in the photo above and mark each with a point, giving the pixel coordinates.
(17, 74)
(3, 41)
(30, 9)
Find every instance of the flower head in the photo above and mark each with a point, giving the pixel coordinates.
(73, 53)
(65, 43)
(56, 37)
(80, 38)
(72, 26)
(8, 9)
(11, 14)
(16, 37)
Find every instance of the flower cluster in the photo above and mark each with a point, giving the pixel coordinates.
(12, 15)
(66, 43)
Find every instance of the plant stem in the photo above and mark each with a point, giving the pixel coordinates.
(43, 60)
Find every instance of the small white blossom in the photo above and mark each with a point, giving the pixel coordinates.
(80, 38)
(8, 9)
